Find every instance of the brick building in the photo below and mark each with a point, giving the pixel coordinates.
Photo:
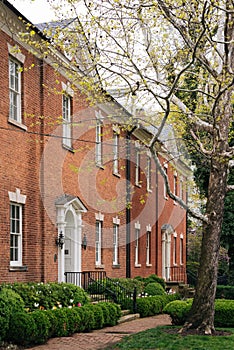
(78, 191)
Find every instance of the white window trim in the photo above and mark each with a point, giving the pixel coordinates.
(16, 198)
(19, 234)
(67, 127)
(137, 236)
(174, 248)
(116, 153)
(18, 93)
(149, 173)
(98, 244)
(138, 165)
(181, 249)
(148, 245)
(165, 166)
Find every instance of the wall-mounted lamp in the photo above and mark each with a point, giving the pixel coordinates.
(60, 240)
(84, 242)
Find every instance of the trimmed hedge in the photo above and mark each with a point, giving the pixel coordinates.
(224, 312)
(154, 305)
(154, 288)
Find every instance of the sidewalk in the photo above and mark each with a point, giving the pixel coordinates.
(99, 339)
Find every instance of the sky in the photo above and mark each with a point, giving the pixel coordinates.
(36, 11)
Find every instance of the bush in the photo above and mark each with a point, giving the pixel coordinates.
(153, 305)
(225, 292)
(178, 310)
(46, 296)
(10, 303)
(154, 288)
(98, 316)
(224, 312)
(22, 329)
(150, 279)
(42, 323)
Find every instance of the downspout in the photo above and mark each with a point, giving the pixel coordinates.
(128, 202)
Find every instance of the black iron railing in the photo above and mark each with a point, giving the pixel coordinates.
(102, 288)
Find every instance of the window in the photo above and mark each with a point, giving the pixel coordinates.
(99, 130)
(137, 237)
(138, 169)
(175, 184)
(98, 243)
(15, 90)
(116, 153)
(148, 174)
(67, 121)
(15, 234)
(148, 245)
(181, 189)
(174, 249)
(165, 188)
(181, 249)
(115, 244)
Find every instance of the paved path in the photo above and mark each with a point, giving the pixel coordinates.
(99, 339)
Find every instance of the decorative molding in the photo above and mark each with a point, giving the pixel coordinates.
(17, 197)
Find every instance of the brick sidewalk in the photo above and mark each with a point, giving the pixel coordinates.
(99, 339)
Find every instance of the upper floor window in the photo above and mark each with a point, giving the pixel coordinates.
(15, 90)
(174, 249)
(115, 244)
(175, 184)
(165, 168)
(137, 165)
(116, 153)
(181, 249)
(67, 121)
(148, 174)
(99, 145)
(181, 189)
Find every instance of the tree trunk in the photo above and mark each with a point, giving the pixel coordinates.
(202, 312)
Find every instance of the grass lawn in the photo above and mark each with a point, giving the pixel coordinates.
(159, 339)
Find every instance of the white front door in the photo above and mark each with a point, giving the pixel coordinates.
(68, 250)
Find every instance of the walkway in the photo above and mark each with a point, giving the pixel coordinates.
(99, 339)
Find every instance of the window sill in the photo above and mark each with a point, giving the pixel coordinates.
(149, 190)
(149, 265)
(116, 266)
(175, 203)
(117, 174)
(18, 124)
(68, 148)
(137, 265)
(166, 198)
(100, 166)
(101, 266)
(138, 185)
(18, 268)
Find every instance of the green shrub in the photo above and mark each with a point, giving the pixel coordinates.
(178, 310)
(150, 279)
(10, 303)
(154, 305)
(225, 292)
(22, 329)
(61, 328)
(53, 322)
(88, 319)
(42, 323)
(46, 296)
(224, 313)
(98, 316)
(154, 288)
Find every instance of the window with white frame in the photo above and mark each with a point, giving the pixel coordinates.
(116, 153)
(137, 165)
(137, 246)
(174, 248)
(116, 223)
(181, 189)
(148, 245)
(99, 146)
(148, 174)
(165, 167)
(67, 135)
(181, 249)
(15, 234)
(15, 90)
(16, 227)
(98, 239)
(175, 184)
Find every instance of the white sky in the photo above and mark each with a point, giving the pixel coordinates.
(36, 11)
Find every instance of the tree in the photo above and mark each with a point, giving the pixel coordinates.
(127, 48)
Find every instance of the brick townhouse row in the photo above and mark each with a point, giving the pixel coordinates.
(79, 192)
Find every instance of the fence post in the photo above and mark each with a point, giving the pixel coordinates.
(134, 300)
